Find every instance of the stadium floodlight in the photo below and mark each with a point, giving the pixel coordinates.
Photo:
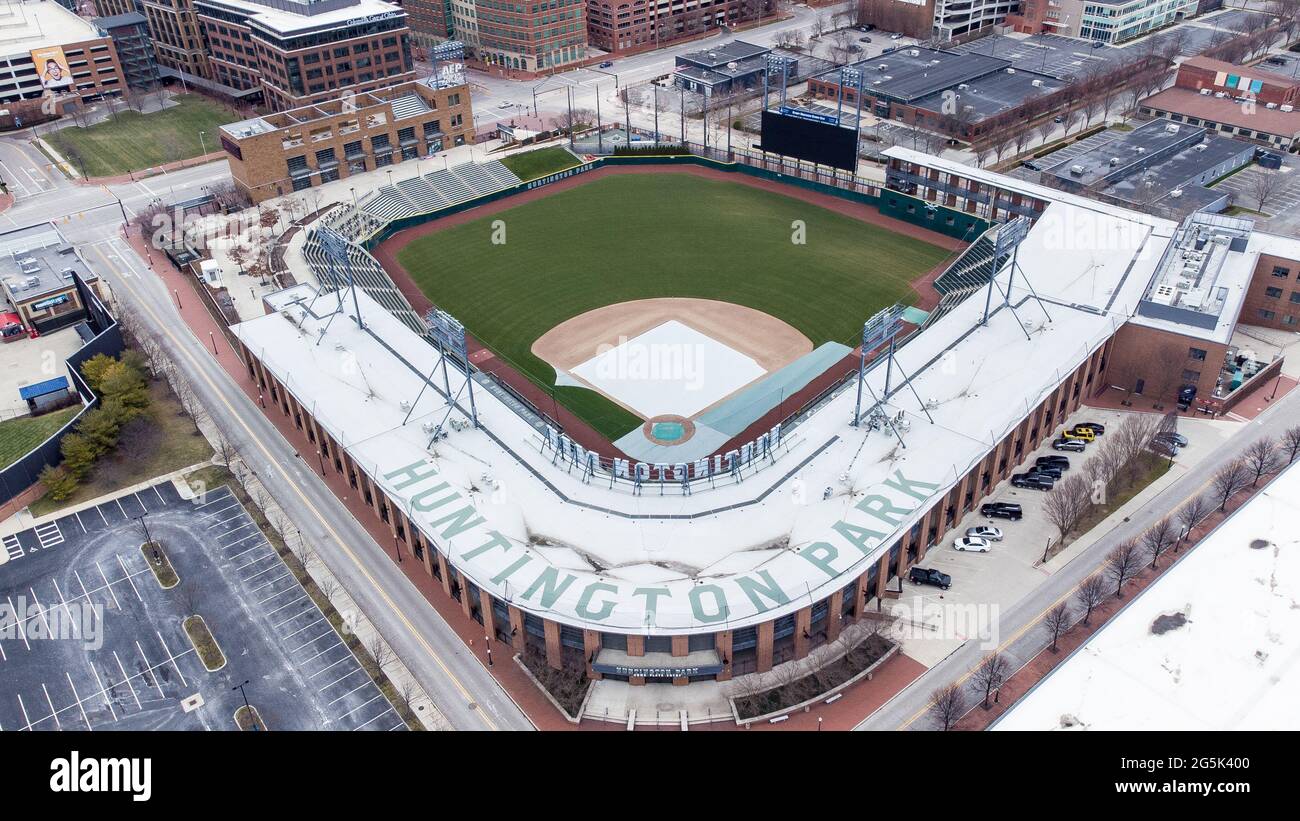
(881, 328)
(336, 248)
(448, 61)
(449, 334)
(853, 77)
(776, 64)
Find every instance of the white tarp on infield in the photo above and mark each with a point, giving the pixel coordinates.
(670, 369)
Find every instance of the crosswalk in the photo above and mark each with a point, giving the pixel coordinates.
(49, 535)
(12, 547)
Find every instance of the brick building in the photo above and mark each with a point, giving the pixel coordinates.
(46, 32)
(533, 37)
(298, 53)
(177, 37)
(299, 148)
(620, 26)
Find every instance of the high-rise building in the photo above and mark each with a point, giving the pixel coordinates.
(619, 26)
(536, 36)
(430, 20)
(48, 52)
(298, 52)
(176, 36)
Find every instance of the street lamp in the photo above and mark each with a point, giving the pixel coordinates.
(247, 706)
(203, 145)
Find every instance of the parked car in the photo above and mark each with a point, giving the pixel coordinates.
(972, 544)
(864, 39)
(854, 48)
(993, 534)
(1002, 510)
(1073, 445)
(1097, 427)
(1058, 119)
(1051, 470)
(925, 575)
(607, 64)
(1177, 439)
(895, 36)
(1077, 432)
(1164, 447)
(1097, 44)
(1033, 481)
(1063, 462)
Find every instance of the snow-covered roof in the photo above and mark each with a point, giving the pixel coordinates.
(535, 534)
(1223, 656)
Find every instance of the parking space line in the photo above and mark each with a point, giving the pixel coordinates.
(84, 717)
(300, 629)
(153, 679)
(271, 582)
(258, 573)
(234, 530)
(256, 535)
(108, 585)
(376, 718)
(101, 515)
(359, 706)
(172, 658)
(54, 714)
(218, 512)
(103, 692)
(21, 621)
(216, 499)
(268, 555)
(127, 681)
(40, 611)
(138, 501)
(23, 707)
(158, 493)
(333, 664)
(85, 594)
(84, 531)
(290, 604)
(279, 593)
(362, 686)
(321, 653)
(221, 522)
(348, 674)
(119, 507)
(311, 641)
(128, 577)
(66, 609)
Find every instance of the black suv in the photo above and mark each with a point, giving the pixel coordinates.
(1033, 481)
(921, 575)
(1050, 469)
(1062, 462)
(1002, 510)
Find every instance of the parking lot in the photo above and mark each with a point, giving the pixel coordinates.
(89, 639)
(987, 583)
(1283, 203)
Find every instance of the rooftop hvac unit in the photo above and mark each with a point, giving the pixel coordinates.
(1201, 147)
(1114, 161)
(1287, 108)
(1220, 94)
(1176, 193)
(1011, 71)
(1172, 128)
(1205, 91)
(1270, 105)
(914, 53)
(1076, 170)
(1143, 150)
(1036, 83)
(962, 86)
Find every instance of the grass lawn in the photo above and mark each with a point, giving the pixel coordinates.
(1240, 211)
(134, 141)
(533, 164)
(19, 436)
(159, 442)
(642, 236)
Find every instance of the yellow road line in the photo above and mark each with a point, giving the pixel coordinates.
(166, 328)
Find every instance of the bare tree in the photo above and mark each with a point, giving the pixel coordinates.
(1262, 457)
(1191, 513)
(380, 652)
(1091, 593)
(1067, 502)
(1158, 538)
(1229, 480)
(988, 678)
(1057, 621)
(947, 705)
(224, 450)
(1290, 444)
(1123, 563)
(1262, 186)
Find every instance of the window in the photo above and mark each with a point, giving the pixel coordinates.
(1295, 296)
(1196, 353)
(1280, 272)
(1273, 293)
(1263, 314)
(1191, 376)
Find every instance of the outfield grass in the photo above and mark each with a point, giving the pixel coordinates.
(134, 141)
(531, 165)
(642, 236)
(18, 437)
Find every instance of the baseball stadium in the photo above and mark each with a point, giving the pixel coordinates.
(678, 419)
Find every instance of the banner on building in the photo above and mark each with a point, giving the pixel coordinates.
(52, 66)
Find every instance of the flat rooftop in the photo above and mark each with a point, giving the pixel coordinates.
(287, 18)
(26, 26)
(35, 261)
(740, 553)
(1202, 278)
(1207, 107)
(1052, 54)
(717, 58)
(1211, 645)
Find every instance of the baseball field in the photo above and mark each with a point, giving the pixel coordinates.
(513, 276)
